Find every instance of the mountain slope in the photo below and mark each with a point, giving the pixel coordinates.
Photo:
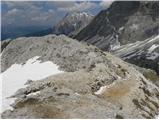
(94, 84)
(142, 53)
(123, 22)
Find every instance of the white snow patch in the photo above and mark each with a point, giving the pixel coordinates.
(134, 26)
(74, 24)
(16, 76)
(101, 90)
(153, 56)
(77, 94)
(115, 47)
(121, 28)
(157, 117)
(34, 93)
(153, 39)
(104, 88)
(119, 77)
(152, 48)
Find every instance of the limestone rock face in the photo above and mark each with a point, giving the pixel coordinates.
(122, 23)
(95, 84)
(142, 53)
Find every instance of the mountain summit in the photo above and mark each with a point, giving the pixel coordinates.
(72, 23)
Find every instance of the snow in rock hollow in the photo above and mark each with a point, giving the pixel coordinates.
(17, 75)
(101, 90)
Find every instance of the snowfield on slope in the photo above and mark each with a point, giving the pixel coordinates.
(152, 48)
(138, 48)
(17, 75)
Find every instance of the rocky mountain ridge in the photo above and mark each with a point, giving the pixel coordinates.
(87, 81)
(122, 23)
(95, 84)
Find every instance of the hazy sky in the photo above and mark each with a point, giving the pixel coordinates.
(39, 13)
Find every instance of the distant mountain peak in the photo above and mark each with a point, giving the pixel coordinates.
(76, 16)
(72, 23)
(77, 13)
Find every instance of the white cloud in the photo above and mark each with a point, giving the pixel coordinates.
(28, 13)
(60, 4)
(78, 7)
(22, 4)
(41, 17)
(12, 12)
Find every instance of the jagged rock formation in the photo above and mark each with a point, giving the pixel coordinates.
(95, 85)
(72, 23)
(142, 53)
(122, 23)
